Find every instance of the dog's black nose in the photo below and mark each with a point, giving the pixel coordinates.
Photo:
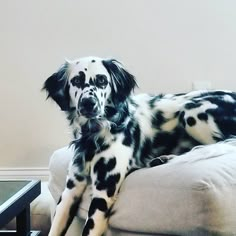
(88, 104)
(88, 107)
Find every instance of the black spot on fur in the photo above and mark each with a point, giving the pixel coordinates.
(76, 92)
(104, 147)
(192, 105)
(102, 168)
(202, 116)
(181, 118)
(91, 81)
(108, 184)
(70, 184)
(153, 101)
(158, 120)
(127, 141)
(93, 61)
(86, 85)
(88, 226)
(85, 69)
(81, 150)
(106, 181)
(225, 112)
(89, 138)
(136, 136)
(89, 154)
(80, 178)
(165, 142)
(117, 115)
(82, 75)
(146, 149)
(191, 121)
(110, 111)
(224, 120)
(176, 114)
(97, 204)
(79, 161)
(111, 182)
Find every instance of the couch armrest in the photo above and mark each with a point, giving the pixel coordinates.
(58, 168)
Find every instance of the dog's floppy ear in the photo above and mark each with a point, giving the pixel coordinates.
(122, 81)
(57, 87)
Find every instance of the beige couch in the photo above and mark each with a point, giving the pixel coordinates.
(194, 194)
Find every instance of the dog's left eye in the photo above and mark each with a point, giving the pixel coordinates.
(101, 80)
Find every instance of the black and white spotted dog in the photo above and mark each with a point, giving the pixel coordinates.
(116, 133)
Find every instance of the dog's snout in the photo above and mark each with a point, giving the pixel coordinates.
(88, 103)
(88, 107)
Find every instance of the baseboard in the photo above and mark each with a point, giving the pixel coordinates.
(24, 173)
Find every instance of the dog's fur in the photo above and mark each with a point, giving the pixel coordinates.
(115, 133)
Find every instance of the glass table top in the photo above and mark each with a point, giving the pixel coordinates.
(9, 188)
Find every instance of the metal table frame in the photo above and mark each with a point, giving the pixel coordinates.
(19, 206)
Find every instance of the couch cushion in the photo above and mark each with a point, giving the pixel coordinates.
(194, 192)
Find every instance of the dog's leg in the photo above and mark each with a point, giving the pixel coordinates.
(96, 223)
(107, 177)
(68, 204)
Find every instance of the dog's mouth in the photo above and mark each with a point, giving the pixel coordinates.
(88, 114)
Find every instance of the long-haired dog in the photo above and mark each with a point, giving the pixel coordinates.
(115, 133)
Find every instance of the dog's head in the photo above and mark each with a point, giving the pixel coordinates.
(90, 84)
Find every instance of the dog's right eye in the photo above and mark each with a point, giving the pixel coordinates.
(78, 81)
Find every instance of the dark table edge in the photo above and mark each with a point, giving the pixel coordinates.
(14, 205)
(14, 233)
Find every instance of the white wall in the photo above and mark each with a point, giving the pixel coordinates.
(167, 44)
